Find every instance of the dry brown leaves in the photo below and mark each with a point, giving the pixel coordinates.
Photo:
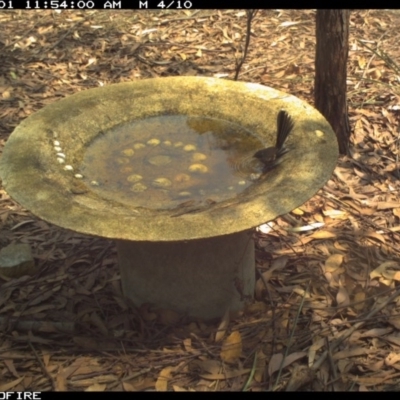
(326, 312)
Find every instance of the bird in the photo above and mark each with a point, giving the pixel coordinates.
(269, 156)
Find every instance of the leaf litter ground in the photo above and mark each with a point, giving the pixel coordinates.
(326, 314)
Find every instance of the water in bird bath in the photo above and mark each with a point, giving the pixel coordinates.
(165, 161)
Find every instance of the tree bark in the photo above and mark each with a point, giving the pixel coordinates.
(332, 35)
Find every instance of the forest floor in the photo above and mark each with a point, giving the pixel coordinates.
(326, 314)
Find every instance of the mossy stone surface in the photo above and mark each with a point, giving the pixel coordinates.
(33, 176)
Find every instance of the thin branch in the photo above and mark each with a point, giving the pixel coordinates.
(250, 15)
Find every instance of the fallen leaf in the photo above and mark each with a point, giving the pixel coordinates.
(209, 366)
(384, 205)
(392, 358)
(260, 366)
(393, 339)
(298, 211)
(342, 297)
(46, 359)
(395, 321)
(7, 386)
(10, 366)
(383, 270)
(376, 235)
(96, 387)
(333, 262)
(63, 374)
(306, 228)
(163, 378)
(359, 299)
(335, 214)
(276, 361)
(323, 235)
(353, 352)
(178, 388)
(289, 23)
(128, 387)
(376, 332)
(278, 264)
(187, 344)
(232, 347)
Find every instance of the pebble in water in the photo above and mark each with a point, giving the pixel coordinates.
(189, 147)
(138, 187)
(198, 168)
(128, 152)
(198, 157)
(161, 182)
(134, 178)
(153, 142)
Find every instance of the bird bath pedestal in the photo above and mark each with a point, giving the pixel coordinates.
(140, 162)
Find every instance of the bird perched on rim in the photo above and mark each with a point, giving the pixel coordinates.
(269, 156)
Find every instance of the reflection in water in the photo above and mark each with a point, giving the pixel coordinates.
(168, 161)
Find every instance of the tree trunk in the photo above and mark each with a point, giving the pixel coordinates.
(332, 35)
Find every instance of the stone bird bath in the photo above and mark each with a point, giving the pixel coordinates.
(163, 167)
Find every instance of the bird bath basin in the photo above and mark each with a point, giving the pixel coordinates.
(163, 166)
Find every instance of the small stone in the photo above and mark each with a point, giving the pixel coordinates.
(153, 142)
(189, 147)
(198, 157)
(128, 152)
(198, 168)
(56, 143)
(138, 187)
(134, 178)
(178, 144)
(182, 178)
(57, 149)
(94, 183)
(60, 160)
(68, 168)
(16, 260)
(78, 176)
(62, 155)
(161, 182)
(167, 143)
(138, 146)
